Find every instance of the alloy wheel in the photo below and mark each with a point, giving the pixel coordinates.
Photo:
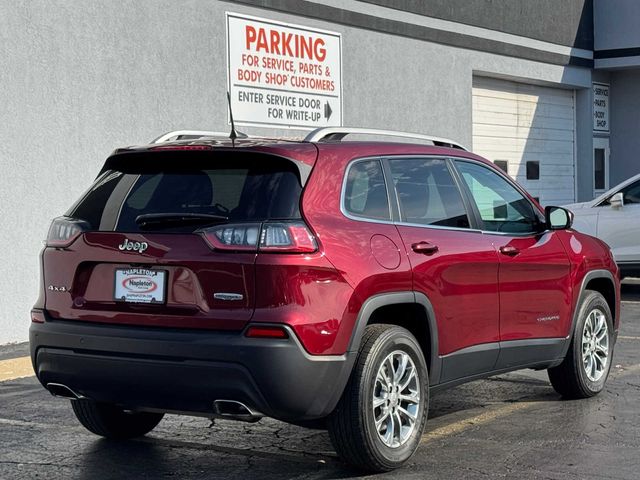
(595, 345)
(396, 399)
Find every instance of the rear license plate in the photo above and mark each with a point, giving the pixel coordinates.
(140, 285)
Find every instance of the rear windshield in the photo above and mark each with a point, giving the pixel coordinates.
(235, 188)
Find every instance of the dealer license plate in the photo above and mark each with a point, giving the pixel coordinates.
(140, 285)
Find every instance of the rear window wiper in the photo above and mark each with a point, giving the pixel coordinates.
(150, 221)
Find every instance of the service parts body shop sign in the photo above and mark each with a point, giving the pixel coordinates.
(283, 75)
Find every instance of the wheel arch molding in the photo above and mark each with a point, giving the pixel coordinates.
(422, 325)
(592, 278)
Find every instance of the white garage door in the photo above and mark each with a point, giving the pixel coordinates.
(529, 130)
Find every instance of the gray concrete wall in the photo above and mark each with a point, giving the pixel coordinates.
(80, 78)
(616, 24)
(624, 142)
(565, 22)
(411, 20)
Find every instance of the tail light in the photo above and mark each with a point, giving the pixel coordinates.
(239, 237)
(64, 230)
(287, 237)
(283, 237)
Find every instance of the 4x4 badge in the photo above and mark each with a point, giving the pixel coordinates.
(135, 246)
(55, 288)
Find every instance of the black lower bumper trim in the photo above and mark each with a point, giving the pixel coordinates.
(186, 371)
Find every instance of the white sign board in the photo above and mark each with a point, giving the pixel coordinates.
(600, 107)
(283, 75)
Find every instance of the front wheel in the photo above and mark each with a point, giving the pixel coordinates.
(113, 422)
(380, 418)
(586, 366)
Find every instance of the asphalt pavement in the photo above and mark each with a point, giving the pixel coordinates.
(510, 426)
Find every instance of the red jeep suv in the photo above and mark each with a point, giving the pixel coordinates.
(316, 281)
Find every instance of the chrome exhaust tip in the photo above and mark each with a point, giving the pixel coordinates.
(234, 410)
(62, 391)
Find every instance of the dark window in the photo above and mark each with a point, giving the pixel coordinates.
(427, 194)
(533, 170)
(598, 169)
(91, 206)
(366, 192)
(631, 194)
(502, 165)
(502, 207)
(242, 187)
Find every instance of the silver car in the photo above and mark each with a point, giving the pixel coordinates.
(614, 217)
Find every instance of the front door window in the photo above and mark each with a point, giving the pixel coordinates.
(501, 206)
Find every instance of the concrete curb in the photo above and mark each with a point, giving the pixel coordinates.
(14, 350)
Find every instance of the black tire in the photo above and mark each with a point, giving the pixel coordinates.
(112, 422)
(570, 378)
(352, 425)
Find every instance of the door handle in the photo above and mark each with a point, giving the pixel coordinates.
(509, 250)
(424, 248)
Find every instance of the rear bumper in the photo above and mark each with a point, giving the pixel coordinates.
(186, 371)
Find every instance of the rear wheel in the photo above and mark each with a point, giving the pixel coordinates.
(110, 421)
(586, 366)
(379, 421)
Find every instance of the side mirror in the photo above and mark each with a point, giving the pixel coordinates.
(617, 200)
(558, 218)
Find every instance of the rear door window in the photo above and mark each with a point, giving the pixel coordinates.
(427, 193)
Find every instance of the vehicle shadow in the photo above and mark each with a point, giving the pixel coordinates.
(156, 458)
(271, 449)
(502, 389)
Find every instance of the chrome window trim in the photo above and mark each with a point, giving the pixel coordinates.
(519, 235)
(382, 158)
(438, 227)
(350, 216)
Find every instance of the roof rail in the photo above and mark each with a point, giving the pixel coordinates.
(338, 133)
(188, 135)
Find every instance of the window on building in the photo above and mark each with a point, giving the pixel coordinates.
(502, 165)
(533, 170)
(598, 168)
